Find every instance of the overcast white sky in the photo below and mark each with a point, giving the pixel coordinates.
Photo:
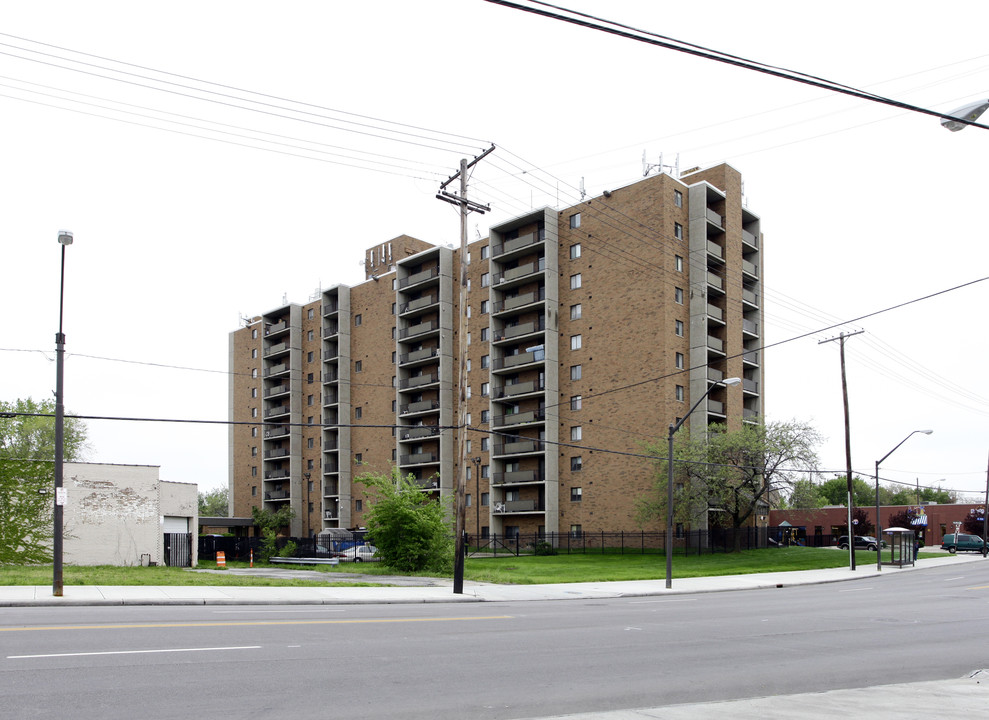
(189, 210)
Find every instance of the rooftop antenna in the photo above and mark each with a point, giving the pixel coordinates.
(284, 298)
(583, 193)
(648, 167)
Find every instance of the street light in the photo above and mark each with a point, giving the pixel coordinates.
(64, 239)
(970, 112)
(477, 492)
(879, 530)
(669, 481)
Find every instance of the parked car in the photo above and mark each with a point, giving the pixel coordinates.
(954, 543)
(360, 553)
(862, 542)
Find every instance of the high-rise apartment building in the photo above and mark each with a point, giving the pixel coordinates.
(589, 331)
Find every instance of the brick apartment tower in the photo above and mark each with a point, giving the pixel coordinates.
(590, 330)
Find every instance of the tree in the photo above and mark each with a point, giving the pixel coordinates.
(974, 523)
(903, 519)
(734, 472)
(269, 523)
(835, 491)
(213, 503)
(27, 477)
(411, 531)
(806, 494)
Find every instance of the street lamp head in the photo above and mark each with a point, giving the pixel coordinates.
(731, 381)
(64, 237)
(970, 112)
(926, 432)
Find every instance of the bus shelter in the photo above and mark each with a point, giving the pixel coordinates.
(902, 543)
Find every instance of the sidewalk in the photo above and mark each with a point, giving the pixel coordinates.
(439, 591)
(958, 696)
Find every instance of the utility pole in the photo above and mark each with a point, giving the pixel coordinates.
(460, 502)
(848, 445)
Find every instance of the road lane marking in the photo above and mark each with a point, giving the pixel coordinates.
(133, 652)
(665, 600)
(278, 612)
(241, 623)
(856, 589)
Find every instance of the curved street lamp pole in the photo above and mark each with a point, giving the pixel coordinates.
(669, 478)
(64, 239)
(879, 529)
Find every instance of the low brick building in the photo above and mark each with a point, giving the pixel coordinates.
(828, 523)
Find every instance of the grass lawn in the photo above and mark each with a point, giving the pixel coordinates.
(504, 569)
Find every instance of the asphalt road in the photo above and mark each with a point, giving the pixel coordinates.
(490, 660)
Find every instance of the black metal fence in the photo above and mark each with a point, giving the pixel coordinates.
(241, 548)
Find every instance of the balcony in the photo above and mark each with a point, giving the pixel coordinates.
(330, 398)
(330, 309)
(279, 389)
(750, 268)
(330, 376)
(512, 276)
(332, 352)
(276, 495)
(750, 297)
(276, 453)
(330, 467)
(417, 356)
(277, 410)
(523, 358)
(275, 328)
(420, 329)
(427, 483)
(276, 431)
(518, 301)
(515, 245)
(714, 375)
(417, 432)
(715, 407)
(418, 381)
(715, 344)
(521, 388)
(276, 370)
(424, 458)
(518, 477)
(750, 386)
(750, 239)
(519, 418)
(418, 304)
(419, 407)
(714, 219)
(715, 282)
(419, 278)
(330, 331)
(512, 332)
(750, 327)
(715, 313)
(520, 447)
(276, 475)
(276, 349)
(715, 250)
(517, 506)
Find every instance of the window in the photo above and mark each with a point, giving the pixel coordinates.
(359, 505)
(679, 393)
(576, 402)
(254, 451)
(309, 466)
(485, 444)
(309, 379)
(254, 334)
(358, 366)
(254, 471)
(254, 432)
(485, 415)
(485, 360)
(311, 314)
(392, 357)
(576, 342)
(309, 420)
(468, 393)
(679, 328)
(358, 319)
(309, 399)
(393, 333)
(309, 356)
(679, 263)
(393, 308)
(575, 251)
(678, 295)
(575, 531)
(485, 389)
(485, 499)
(394, 381)
(254, 354)
(468, 500)
(679, 360)
(576, 464)
(468, 447)
(485, 334)
(485, 279)
(484, 307)
(485, 252)
(575, 311)
(254, 372)
(678, 198)
(254, 412)
(576, 494)
(485, 471)
(576, 433)
(679, 530)
(468, 311)
(575, 281)
(468, 338)
(358, 413)
(254, 490)
(309, 336)
(468, 364)
(254, 392)
(575, 221)
(575, 372)
(678, 231)
(358, 458)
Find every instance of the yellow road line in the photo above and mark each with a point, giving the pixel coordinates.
(254, 622)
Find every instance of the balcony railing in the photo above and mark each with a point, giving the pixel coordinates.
(514, 331)
(751, 327)
(418, 431)
(518, 476)
(715, 281)
(418, 304)
(278, 410)
(330, 331)
(418, 355)
(714, 218)
(275, 328)
(418, 459)
(330, 308)
(418, 381)
(276, 453)
(276, 390)
(713, 311)
(715, 344)
(417, 407)
(750, 297)
(521, 388)
(520, 271)
(715, 406)
(418, 329)
(276, 495)
(517, 243)
(517, 301)
(419, 277)
(714, 249)
(751, 386)
(518, 418)
(276, 475)
(519, 447)
(518, 506)
(276, 431)
(518, 359)
(750, 268)
(750, 238)
(276, 370)
(276, 349)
